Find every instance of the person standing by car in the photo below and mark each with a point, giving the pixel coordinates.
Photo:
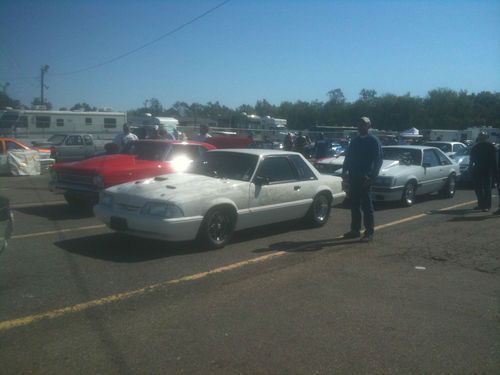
(123, 138)
(203, 135)
(497, 212)
(483, 167)
(360, 169)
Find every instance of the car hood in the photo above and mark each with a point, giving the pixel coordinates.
(178, 188)
(394, 167)
(338, 160)
(101, 164)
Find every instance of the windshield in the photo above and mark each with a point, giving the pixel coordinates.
(445, 147)
(405, 156)
(57, 139)
(147, 150)
(231, 165)
(463, 152)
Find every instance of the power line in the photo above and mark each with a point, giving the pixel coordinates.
(146, 44)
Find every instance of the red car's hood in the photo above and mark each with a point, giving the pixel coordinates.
(103, 164)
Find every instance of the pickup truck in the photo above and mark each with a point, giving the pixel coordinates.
(71, 147)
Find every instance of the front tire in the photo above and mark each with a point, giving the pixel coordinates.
(409, 193)
(217, 227)
(319, 212)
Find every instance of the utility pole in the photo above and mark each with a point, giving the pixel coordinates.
(43, 70)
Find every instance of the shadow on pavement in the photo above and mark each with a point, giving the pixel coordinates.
(475, 218)
(306, 246)
(120, 248)
(57, 212)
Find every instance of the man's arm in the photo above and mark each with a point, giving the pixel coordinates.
(377, 160)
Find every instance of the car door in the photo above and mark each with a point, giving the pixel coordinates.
(4, 166)
(276, 193)
(433, 170)
(89, 146)
(72, 149)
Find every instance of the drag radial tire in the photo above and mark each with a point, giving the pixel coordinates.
(217, 227)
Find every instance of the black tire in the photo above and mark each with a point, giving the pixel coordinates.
(409, 194)
(217, 227)
(319, 212)
(448, 190)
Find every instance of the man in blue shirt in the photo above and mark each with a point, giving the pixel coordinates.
(360, 169)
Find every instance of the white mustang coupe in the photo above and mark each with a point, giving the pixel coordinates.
(228, 190)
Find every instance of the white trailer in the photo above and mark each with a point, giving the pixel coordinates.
(40, 124)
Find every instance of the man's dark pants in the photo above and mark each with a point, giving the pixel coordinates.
(482, 187)
(361, 200)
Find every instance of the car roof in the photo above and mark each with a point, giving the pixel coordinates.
(447, 142)
(256, 151)
(415, 147)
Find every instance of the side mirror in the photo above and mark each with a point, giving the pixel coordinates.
(261, 180)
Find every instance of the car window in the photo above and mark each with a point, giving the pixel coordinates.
(57, 139)
(13, 146)
(148, 150)
(74, 140)
(445, 147)
(443, 160)
(88, 140)
(304, 173)
(192, 152)
(276, 169)
(405, 156)
(229, 165)
(458, 147)
(430, 159)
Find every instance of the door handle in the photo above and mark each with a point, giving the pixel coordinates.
(296, 187)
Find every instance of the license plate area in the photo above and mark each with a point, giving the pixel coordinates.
(118, 223)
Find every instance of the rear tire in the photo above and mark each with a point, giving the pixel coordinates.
(409, 193)
(217, 227)
(319, 212)
(448, 190)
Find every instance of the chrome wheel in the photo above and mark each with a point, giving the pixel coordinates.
(449, 188)
(409, 194)
(319, 212)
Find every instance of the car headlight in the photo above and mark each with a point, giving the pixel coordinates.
(98, 181)
(384, 181)
(163, 210)
(106, 199)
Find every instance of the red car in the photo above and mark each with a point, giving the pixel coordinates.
(82, 181)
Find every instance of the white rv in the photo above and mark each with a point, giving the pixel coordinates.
(42, 123)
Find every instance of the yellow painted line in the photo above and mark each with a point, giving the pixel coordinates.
(100, 226)
(10, 324)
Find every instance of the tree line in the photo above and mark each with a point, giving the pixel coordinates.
(441, 109)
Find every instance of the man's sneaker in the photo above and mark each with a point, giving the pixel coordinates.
(497, 212)
(352, 234)
(367, 237)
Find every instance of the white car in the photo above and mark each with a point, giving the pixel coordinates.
(228, 190)
(332, 165)
(449, 148)
(408, 171)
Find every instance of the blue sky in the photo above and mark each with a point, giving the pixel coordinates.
(246, 50)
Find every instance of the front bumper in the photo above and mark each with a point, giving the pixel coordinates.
(178, 229)
(393, 193)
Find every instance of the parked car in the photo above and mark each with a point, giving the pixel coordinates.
(82, 181)
(227, 190)
(408, 171)
(71, 147)
(449, 148)
(6, 222)
(10, 144)
(331, 165)
(462, 158)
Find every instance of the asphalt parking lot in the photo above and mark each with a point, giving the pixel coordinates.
(422, 298)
